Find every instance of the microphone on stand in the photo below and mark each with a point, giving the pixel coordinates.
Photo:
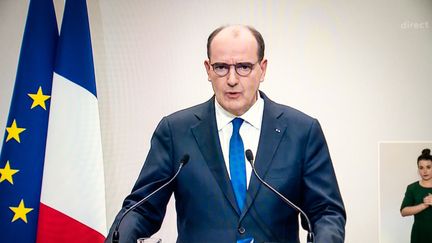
(310, 234)
(116, 233)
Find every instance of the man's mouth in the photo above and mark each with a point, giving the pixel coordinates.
(233, 95)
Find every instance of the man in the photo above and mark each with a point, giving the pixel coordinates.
(218, 199)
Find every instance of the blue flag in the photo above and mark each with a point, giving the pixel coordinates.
(23, 151)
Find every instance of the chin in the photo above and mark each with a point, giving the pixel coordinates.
(233, 107)
(234, 112)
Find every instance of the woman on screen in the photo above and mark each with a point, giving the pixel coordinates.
(418, 200)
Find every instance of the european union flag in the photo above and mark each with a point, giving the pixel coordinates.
(23, 151)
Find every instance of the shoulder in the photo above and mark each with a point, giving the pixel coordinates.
(196, 111)
(413, 186)
(192, 114)
(287, 114)
(292, 113)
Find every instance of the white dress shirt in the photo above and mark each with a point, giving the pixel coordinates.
(249, 131)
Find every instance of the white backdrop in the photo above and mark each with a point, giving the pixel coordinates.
(363, 68)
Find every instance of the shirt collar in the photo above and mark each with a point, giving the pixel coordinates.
(253, 116)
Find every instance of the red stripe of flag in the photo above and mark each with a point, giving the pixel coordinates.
(56, 227)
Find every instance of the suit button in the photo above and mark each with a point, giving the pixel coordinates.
(241, 230)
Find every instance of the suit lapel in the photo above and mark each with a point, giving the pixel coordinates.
(272, 131)
(207, 138)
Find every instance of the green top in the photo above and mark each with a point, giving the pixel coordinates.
(422, 228)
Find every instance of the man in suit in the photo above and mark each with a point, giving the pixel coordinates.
(218, 199)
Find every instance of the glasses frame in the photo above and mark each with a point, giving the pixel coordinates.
(235, 65)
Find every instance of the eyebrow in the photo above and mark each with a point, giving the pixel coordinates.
(244, 62)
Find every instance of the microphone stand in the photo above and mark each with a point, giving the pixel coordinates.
(116, 233)
(310, 234)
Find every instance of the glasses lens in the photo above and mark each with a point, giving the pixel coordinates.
(221, 69)
(243, 69)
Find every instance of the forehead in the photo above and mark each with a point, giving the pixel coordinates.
(424, 162)
(234, 44)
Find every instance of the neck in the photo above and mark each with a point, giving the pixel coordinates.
(426, 183)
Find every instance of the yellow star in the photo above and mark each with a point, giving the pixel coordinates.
(14, 131)
(39, 99)
(20, 212)
(7, 173)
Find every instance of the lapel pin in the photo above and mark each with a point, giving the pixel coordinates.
(277, 130)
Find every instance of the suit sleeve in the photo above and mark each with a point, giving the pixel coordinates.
(158, 167)
(322, 200)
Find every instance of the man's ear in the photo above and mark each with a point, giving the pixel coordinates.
(207, 67)
(263, 65)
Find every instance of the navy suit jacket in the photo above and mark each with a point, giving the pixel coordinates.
(292, 156)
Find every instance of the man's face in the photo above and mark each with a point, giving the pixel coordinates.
(234, 45)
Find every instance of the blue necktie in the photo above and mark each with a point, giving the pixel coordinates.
(237, 163)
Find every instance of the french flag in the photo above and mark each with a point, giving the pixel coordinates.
(51, 164)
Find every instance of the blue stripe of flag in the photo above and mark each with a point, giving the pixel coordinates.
(74, 55)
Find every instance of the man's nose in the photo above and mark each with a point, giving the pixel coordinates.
(232, 77)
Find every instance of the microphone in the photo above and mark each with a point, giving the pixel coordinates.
(310, 234)
(116, 233)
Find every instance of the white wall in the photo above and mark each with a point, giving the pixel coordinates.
(362, 68)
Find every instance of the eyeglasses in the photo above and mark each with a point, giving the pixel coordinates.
(242, 68)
